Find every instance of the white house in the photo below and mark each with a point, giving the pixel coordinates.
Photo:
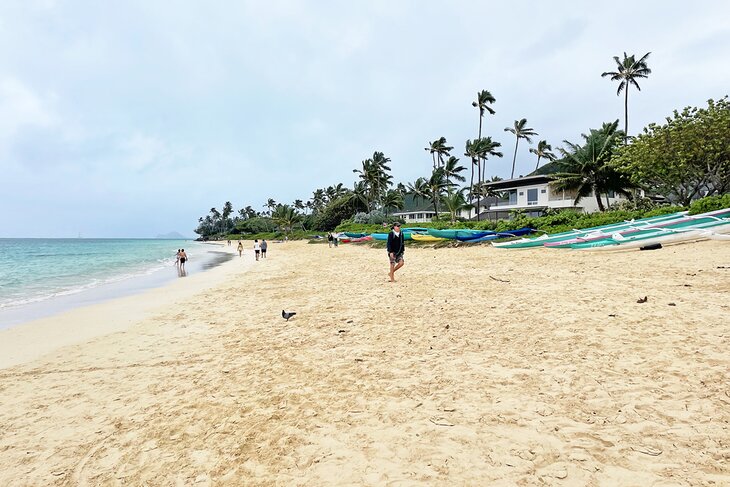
(533, 194)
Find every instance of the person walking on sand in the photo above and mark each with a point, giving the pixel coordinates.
(257, 248)
(263, 248)
(396, 248)
(240, 248)
(330, 238)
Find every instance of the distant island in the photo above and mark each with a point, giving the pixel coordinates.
(172, 236)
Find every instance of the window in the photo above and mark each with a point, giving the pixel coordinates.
(513, 197)
(543, 191)
(532, 197)
(611, 194)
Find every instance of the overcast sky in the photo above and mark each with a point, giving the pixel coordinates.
(134, 118)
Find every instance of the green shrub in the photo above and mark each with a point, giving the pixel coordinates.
(710, 203)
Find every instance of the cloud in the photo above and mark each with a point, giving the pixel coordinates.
(22, 107)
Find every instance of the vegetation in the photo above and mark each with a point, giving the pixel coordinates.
(520, 132)
(681, 161)
(687, 157)
(585, 168)
(628, 71)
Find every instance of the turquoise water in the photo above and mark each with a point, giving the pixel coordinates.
(39, 270)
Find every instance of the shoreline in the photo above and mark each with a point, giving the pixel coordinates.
(478, 366)
(112, 289)
(75, 321)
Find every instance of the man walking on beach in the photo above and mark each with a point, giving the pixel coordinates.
(396, 247)
(264, 245)
(257, 248)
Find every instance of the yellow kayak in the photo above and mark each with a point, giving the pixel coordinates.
(426, 238)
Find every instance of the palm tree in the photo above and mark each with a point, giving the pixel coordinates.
(629, 70)
(227, 210)
(374, 174)
(454, 201)
(215, 218)
(586, 169)
(436, 185)
(393, 199)
(285, 216)
(477, 150)
(419, 189)
(319, 200)
(298, 205)
(270, 204)
(484, 99)
(521, 132)
(452, 170)
(438, 150)
(543, 150)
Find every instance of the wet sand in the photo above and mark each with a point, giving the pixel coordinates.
(479, 366)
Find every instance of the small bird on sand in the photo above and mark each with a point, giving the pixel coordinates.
(286, 315)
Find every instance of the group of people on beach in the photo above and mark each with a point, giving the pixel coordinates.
(259, 248)
(180, 258)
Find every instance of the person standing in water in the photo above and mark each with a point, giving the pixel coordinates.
(396, 248)
(264, 245)
(183, 259)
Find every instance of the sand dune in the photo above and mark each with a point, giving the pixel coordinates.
(479, 366)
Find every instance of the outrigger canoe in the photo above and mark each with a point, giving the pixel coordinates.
(426, 238)
(525, 243)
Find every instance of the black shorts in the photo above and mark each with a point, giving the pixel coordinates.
(182, 260)
(257, 251)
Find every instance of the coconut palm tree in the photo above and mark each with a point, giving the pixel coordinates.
(375, 175)
(629, 70)
(285, 216)
(393, 199)
(454, 202)
(438, 150)
(585, 168)
(452, 170)
(484, 99)
(480, 149)
(543, 150)
(520, 132)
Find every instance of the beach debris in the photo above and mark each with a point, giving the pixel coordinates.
(642, 300)
(359, 360)
(498, 280)
(647, 450)
(671, 304)
(341, 331)
(350, 321)
(447, 327)
(287, 315)
(441, 421)
(613, 315)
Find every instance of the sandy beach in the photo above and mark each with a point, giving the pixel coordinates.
(479, 366)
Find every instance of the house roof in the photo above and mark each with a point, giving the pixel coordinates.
(519, 182)
(411, 204)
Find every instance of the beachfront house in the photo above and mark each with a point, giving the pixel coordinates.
(421, 210)
(533, 195)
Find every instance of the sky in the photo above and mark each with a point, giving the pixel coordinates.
(135, 118)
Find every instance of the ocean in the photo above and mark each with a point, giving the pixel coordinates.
(39, 277)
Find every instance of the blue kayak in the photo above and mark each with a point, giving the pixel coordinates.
(494, 236)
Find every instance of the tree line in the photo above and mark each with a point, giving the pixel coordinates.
(686, 158)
